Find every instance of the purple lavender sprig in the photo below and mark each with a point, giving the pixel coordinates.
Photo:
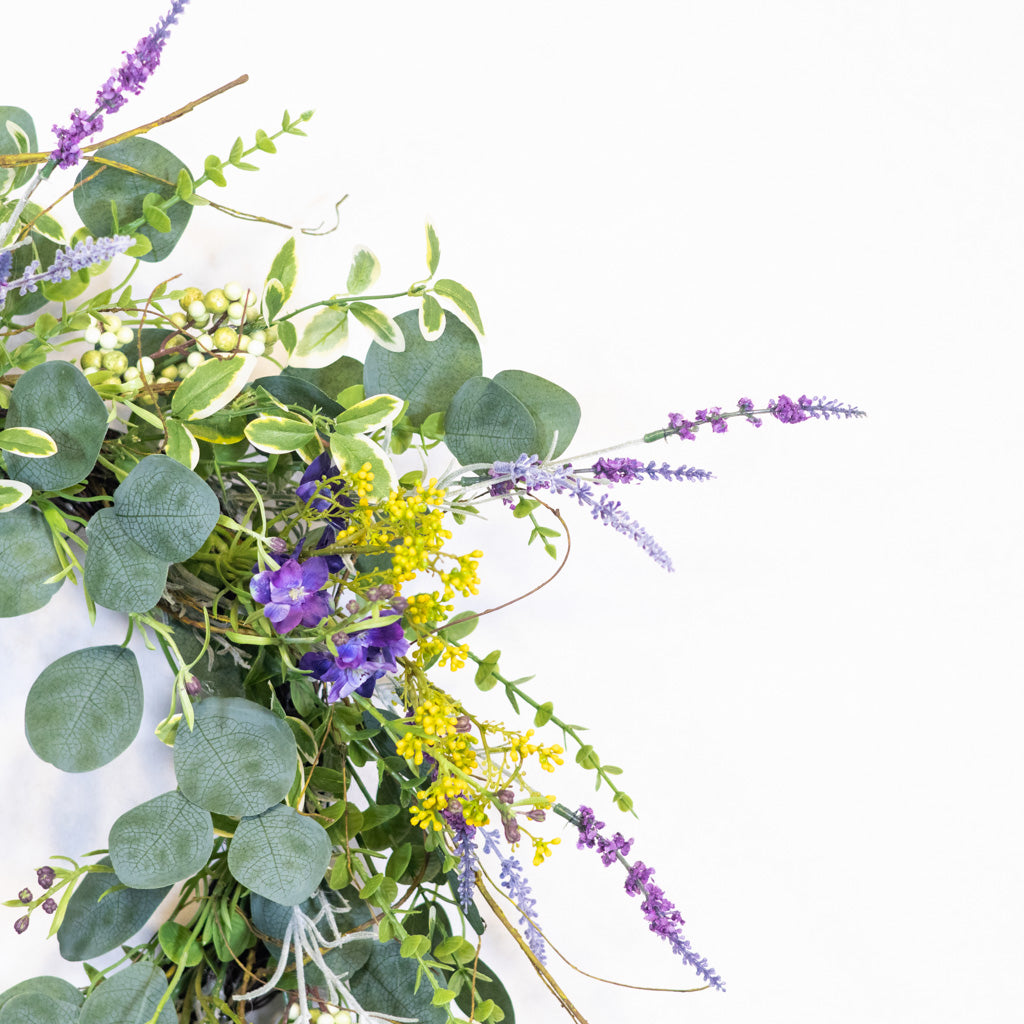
(628, 471)
(136, 68)
(661, 914)
(66, 261)
(528, 471)
(519, 892)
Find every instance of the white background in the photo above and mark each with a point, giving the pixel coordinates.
(664, 207)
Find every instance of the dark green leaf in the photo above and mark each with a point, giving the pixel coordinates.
(493, 990)
(295, 388)
(387, 982)
(85, 708)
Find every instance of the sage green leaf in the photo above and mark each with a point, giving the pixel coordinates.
(387, 985)
(56, 988)
(93, 926)
(27, 560)
(293, 387)
(239, 758)
(85, 708)
(280, 854)
(277, 434)
(427, 374)
(160, 841)
(27, 441)
(493, 990)
(37, 1008)
(323, 339)
(385, 331)
(431, 318)
(128, 191)
(210, 386)
(352, 453)
(130, 996)
(56, 397)
(285, 268)
(364, 271)
(462, 297)
(166, 508)
(553, 409)
(369, 415)
(486, 423)
(433, 250)
(119, 573)
(17, 135)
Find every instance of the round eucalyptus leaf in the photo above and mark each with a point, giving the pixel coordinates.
(238, 759)
(487, 423)
(166, 508)
(388, 983)
(280, 854)
(94, 193)
(56, 988)
(427, 374)
(57, 398)
(130, 997)
(161, 841)
(85, 708)
(27, 560)
(92, 926)
(37, 1008)
(553, 409)
(120, 574)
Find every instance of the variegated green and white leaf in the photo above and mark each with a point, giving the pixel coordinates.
(385, 331)
(181, 445)
(28, 441)
(364, 271)
(369, 415)
(323, 340)
(279, 434)
(351, 453)
(12, 494)
(431, 318)
(210, 386)
(433, 249)
(463, 299)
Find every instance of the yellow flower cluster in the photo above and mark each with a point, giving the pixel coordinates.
(518, 747)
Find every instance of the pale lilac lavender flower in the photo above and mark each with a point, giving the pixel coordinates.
(519, 892)
(6, 262)
(628, 471)
(661, 914)
(66, 261)
(133, 73)
(464, 841)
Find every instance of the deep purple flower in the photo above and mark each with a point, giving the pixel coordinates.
(49, 905)
(292, 594)
(136, 68)
(25, 895)
(361, 660)
(45, 876)
(21, 924)
(660, 913)
(786, 410)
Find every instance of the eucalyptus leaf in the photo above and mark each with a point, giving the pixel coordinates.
(27, 559)
(161, 841)
(56, 988)
(280, 854)
(85, 708)
(238, 759)
(130, 996)
(553, 409)
(93, 926)
(57, 397)
(486, 423)
(166, 508)
(119, 573)
(94, 194)
(387, 984)
(37, 1008)
(427, 374)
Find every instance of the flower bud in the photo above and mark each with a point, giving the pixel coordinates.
(21, 924)
(277, 545)
(192, 686)
(506, 796)
(45, 876)
(49, 905)
(511, 827)
(463, 724)
(25, 895)
(536, 815)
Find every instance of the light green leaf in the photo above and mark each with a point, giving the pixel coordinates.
(178, 943)
(130, 996)
(486, 423)
(85, 708)
(462, 297)
(57, 398)
(351, 453)
(553, 409)
(214, 167)
(322, 340)
(433, 250)
(13, 494)
(278, 434)
(160, 842)
(287, 335)
(364, 271)
(386, 332)
(119, 573)
(239, 759)
(369, 415)
(427, 374)
(155, 217)
(285, 268)
(27, 560)
(181, 445)
(210, 386)
(264, 142)
(273, 299)
(166, 508)
(280, 854)
(27, 441)
(431, 318)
